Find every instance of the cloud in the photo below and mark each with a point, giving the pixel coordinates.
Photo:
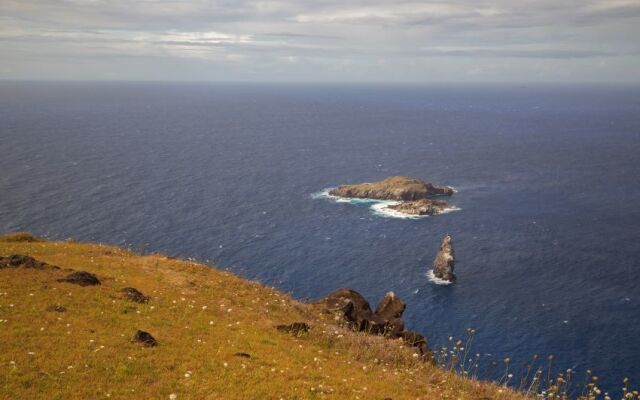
(330, 39)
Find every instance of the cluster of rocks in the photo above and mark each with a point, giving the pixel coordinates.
(350, 307)
(413, 194)
(81, 278)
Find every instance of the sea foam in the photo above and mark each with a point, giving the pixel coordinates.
(376, 206)
(435, 280)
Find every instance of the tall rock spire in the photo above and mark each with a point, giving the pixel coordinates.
(445, 261)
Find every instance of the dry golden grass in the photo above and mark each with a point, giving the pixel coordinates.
(201, 317)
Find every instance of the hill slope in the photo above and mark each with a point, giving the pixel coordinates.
(201, 317)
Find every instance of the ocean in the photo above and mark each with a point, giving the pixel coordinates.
(547, 235)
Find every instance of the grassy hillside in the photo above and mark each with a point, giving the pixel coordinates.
(201, 317)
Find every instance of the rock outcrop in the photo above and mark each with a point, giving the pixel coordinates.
(134, 295)
(444, 263)
(420, 207)
(22, 261)
(145, 338)
(400, 188)
(350, 307)
(296, 329)
(81, 278)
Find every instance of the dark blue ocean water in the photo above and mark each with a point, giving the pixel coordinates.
(548, 180)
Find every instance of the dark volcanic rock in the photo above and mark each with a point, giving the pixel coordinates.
(81, 278)
(391, 328)
(420, 207)
(56, 308)
(444, 263)
(394, 188)
(418, 341)
(387, 319)
(351, 306)
(388, 315)
(22, 261)
(390, 307)
(145, 338)
(297, 328)
(355, 310)
(135, 295)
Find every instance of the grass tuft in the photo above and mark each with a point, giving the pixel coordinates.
(18, 237)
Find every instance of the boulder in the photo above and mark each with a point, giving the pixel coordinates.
(417, 341)
(81, 278)
(145, 338)
(134, 295)
(390, 307)
(391, 328)
(297, 328)
(399, 188)
(349, 305)
(56, 308)
(388, 315)
(444, 262)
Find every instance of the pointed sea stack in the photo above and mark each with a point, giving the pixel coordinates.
(445, 260)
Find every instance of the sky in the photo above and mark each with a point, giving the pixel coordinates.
(561, 41)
